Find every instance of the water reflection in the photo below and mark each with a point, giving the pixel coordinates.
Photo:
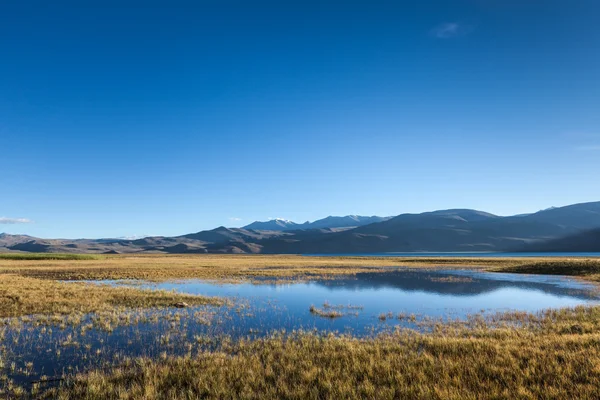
(461, 283)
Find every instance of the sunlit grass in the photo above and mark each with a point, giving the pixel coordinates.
(25, 296)
(277, 267)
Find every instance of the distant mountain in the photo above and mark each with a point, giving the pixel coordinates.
(449, 230)
(232, 240)
(580, 216)
(348, 221)
(7, 239)
(277, 224)
(463, 214)
(571, 228)
(466, 230)
(587, 241)
(343, 222)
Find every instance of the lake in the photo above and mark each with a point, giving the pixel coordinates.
(457, 254)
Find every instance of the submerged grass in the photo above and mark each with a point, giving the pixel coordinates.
(541, 357)
(325, 312)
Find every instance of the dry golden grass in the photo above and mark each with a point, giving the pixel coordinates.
(550, 356)
(218, 267)
(247, 267)
(25, 296)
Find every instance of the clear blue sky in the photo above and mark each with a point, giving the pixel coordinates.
(123, 118)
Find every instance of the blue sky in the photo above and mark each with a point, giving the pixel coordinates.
(121, 118)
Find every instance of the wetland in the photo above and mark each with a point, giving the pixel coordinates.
(71, 328)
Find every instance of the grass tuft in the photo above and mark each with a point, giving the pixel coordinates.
(326, 312)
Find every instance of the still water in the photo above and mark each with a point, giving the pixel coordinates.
(432, 293)
(483, 254)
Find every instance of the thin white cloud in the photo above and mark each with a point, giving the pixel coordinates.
(449, 30)
(11, 221)
(235, 219)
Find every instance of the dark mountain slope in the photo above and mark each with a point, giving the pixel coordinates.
(224, 235)
(453, 230)
(588, 241)
(581, 216)
(465, 214)
(343, 222)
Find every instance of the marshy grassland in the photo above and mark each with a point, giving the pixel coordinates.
(552, 355)
(31, 283)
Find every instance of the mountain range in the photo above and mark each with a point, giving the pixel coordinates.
(571, 228)
(348, 221)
